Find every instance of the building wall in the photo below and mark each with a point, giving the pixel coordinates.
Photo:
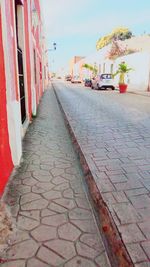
(6, 164)
(23, 44)
(138, 79)
(28, 60)
(12, 129)
(73, 69)
(11, 76)
(37, 41)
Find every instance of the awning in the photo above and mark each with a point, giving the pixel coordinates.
(20, 2)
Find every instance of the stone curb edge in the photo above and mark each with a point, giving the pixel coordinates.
(117, 253)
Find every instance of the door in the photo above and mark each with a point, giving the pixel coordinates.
(21, 85)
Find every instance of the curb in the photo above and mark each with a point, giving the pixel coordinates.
(117, 253)
(147, 94)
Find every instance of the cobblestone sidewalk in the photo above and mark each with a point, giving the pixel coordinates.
(54, 223)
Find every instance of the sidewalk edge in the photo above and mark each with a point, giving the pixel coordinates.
(118, 255)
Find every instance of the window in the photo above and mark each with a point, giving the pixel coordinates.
(40, 70)
(106, 76)
(35, 76)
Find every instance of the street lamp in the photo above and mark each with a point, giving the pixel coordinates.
(54, 44)
(52, 49)
(35, 17)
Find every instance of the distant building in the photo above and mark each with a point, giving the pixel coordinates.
(137, 56)
(140, 43)
(73, 61)
(23, 75)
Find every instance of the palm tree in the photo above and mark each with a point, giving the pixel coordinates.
(123, 69)
(93, 69)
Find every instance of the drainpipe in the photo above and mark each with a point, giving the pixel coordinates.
(148, 87)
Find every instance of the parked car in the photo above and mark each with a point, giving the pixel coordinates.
(87, 82)
(68, 78)
(103, 81)
(76, 79)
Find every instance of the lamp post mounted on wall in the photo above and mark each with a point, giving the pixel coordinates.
(35, 17)
(52, 49)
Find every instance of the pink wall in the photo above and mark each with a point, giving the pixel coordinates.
(36, 34)
(12, 53)
(6, 164)
(28, 63)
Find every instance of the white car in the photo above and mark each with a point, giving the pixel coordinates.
(103, 81)
(76, 79)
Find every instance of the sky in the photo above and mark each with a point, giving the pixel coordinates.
(76, 25)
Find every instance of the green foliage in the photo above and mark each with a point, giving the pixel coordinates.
(121, 34)
(117, 34)
(103, 41)
(122, 70)
(93, 69)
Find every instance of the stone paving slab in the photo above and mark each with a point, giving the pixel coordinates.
(111, 133)
(53, 221)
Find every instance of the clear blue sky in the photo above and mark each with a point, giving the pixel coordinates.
(76, 25)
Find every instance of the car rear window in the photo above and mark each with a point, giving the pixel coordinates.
(106, 76)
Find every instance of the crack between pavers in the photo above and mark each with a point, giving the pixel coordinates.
(54, 252)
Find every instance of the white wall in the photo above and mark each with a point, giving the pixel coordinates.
(137, 79)
(95, 59)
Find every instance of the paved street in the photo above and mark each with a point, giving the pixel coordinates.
(113, 132)
(53, 222)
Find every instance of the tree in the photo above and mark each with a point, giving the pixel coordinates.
(119, 49)
(123, 69)
(116, 50)
(121, 34)
(93, 69)
(117, 34)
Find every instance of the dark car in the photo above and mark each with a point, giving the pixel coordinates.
(68, 78)
(87, 82)
(76, 79)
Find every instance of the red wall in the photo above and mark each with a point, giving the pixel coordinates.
(6, 164)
